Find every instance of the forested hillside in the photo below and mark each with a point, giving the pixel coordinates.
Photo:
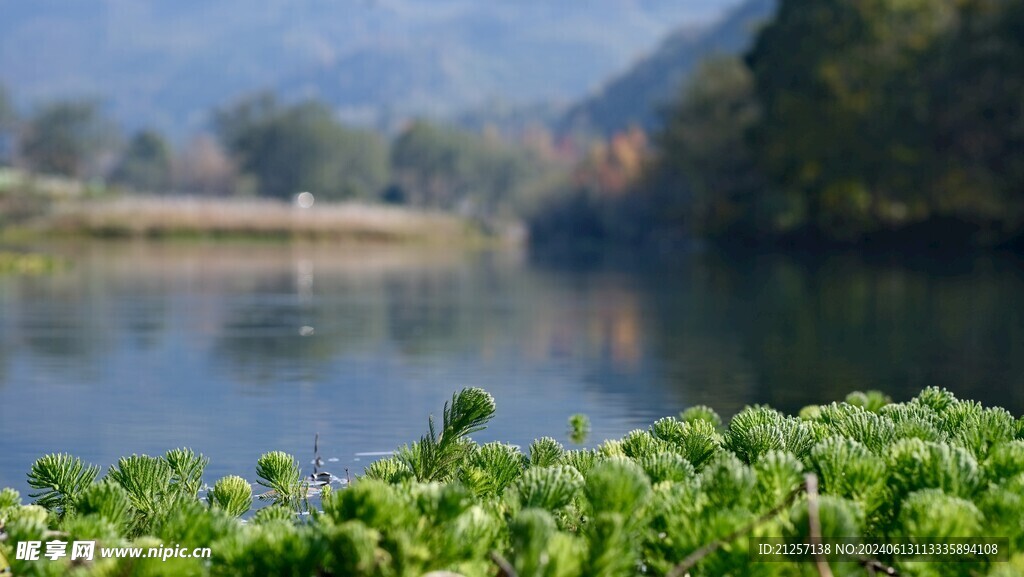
(859, 122)
(639, 95)
(886, 123)
(165, 64)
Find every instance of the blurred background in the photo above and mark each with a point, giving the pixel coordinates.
(232, 227)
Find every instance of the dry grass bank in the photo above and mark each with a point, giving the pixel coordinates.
(156, 217)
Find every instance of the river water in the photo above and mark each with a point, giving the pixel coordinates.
(238, 349)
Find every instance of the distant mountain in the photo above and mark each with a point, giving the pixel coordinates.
(637, 96)
(165, 63)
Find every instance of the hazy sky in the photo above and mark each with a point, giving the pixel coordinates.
(167, 62)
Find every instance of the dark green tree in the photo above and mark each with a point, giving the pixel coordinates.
(442, 167)
(978, 116)
(145, 164)
(65, 137)
(433, 164)
(846, 109)
(290, 149)
(706, 177)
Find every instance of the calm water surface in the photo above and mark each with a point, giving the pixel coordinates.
(235, 350)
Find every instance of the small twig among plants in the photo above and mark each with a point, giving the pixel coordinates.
(505, 568)
(874, 566)
(692, 559)
(811, 483)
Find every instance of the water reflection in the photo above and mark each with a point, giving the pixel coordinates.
(813, 330)
(145, 347)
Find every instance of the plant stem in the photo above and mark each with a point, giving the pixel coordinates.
(811, 482)
(692, 559)
(505, 568)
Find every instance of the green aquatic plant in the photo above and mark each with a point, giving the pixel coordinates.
(1005, 461)
(279, 472)
(756, 431)
(701, 413)
(1001, 504)
(959, 414)
(233, 494)
(681, 497)
(546, 452)
(191, 521)
(614, 549)
(92, 528)
(548, 488)
(579, 428)
(847, 468)
(540, 549)
(939, 515)
(60, 479)
(581, 459)
(186, 470)
(666, 466)
(611, 448)
(29, 523)
(696, 440)
(838, 518)
(354, 549)
(471, 533)
(491, 468)
(638, 444)
(374, 503)
(274, 514)
(531, 531)
(727, 481)
(913, 464)
(670, 430)
(617, 485)
(778, 474)
(935, 398)
(436, 456)
(869, 400)
(10, 502)
(978, 430)
(271, 548)
(9, 499)
(915, 420)
(391, 470)
(108, 500)
(872, 429)
(147, 482)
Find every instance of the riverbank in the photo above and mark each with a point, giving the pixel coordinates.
(34, 207)
(211, 218)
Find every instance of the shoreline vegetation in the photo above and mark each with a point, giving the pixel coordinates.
(689, 495)
(48, 207)
(29, 263)
(791, 144)
(885, 126)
